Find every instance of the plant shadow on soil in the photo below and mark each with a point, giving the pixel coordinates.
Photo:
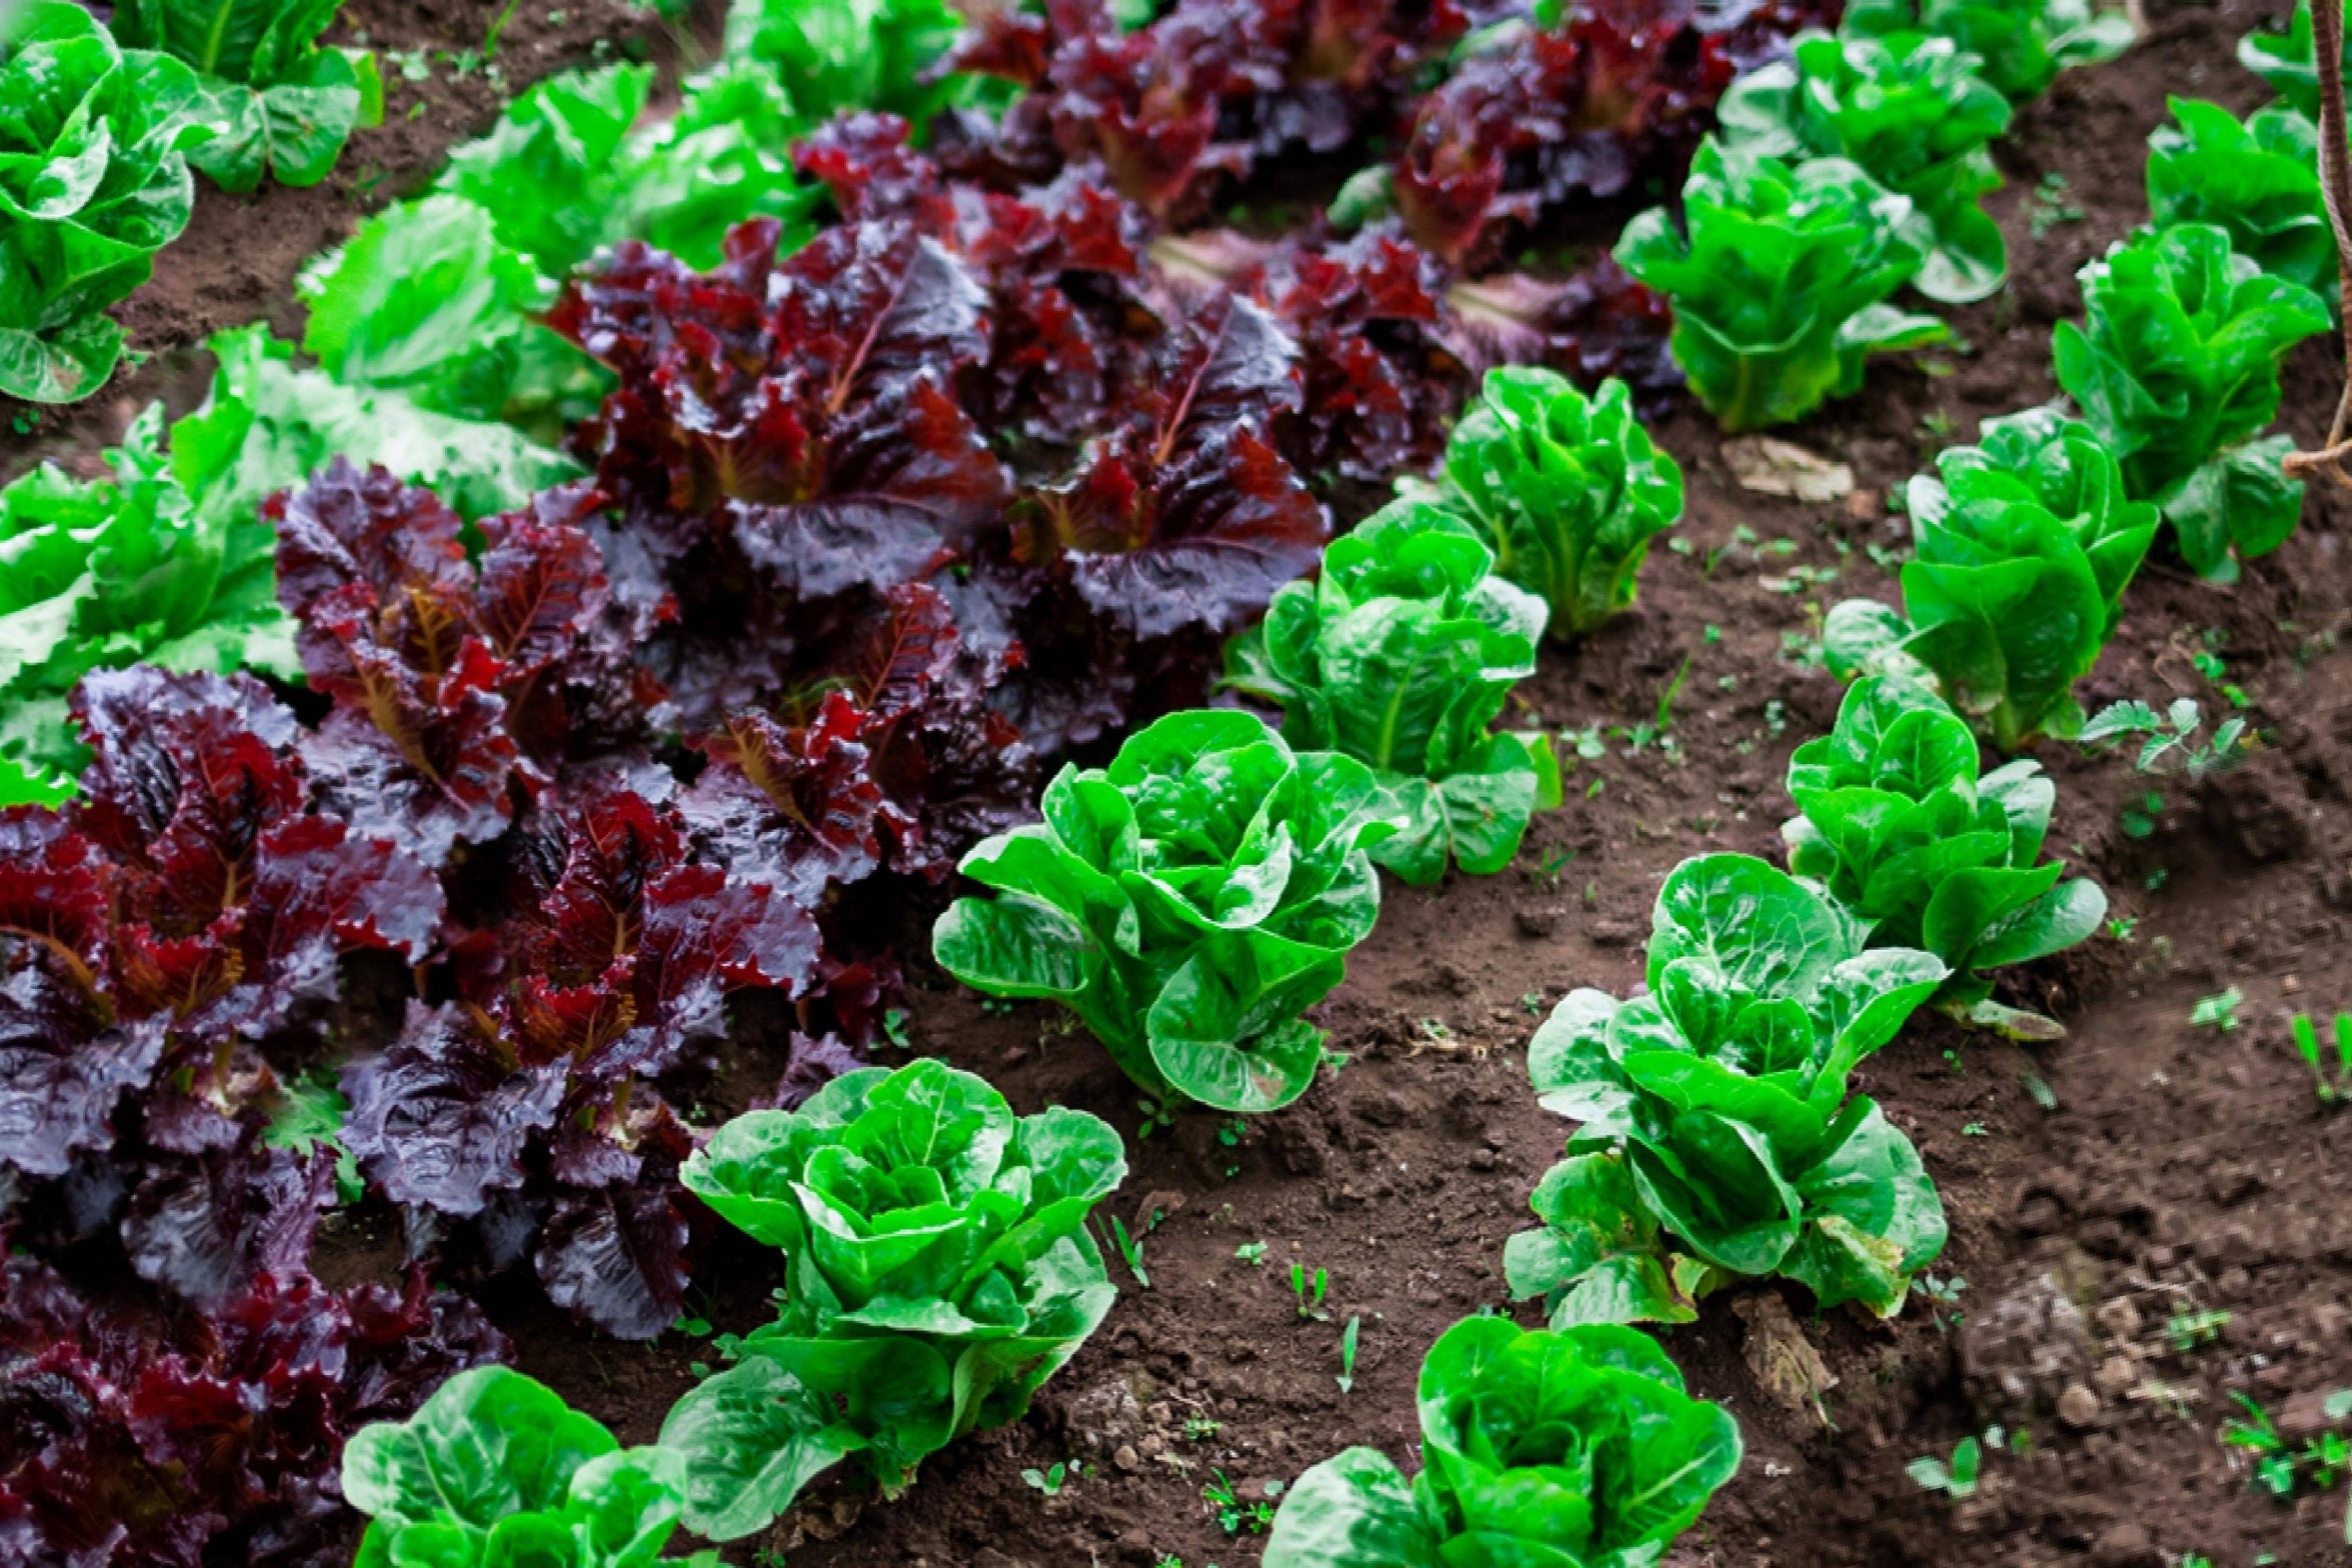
(2174, 1168)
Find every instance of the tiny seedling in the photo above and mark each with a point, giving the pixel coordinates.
(1309, 1289)
(1130, 1251)
(1049, 1481)
(2334, 1087)
(1943, 1298)
(2052, 206)
(2191, 1329)
(1234, 1515)
(1252, 1253)
(1348, 1337)
(2280, 1467)
(2170, 742)
(1200, 1429)
(1956, 1479)
(2218, 1011)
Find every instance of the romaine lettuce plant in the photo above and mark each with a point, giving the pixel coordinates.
(94, 144)
(1896, 825)
(2040, 456)
(278, 101)
(496, 1469)
(1400, 654)
(1567, 490)
(1911, 110)
(1188, 903)
(941, 1273)
(1718, 1141)
(2004, 608)
(1779, 290)
(2022, 48)
(2259, 181)
(1558, 1448)
(2287, 62)
(2178, 372)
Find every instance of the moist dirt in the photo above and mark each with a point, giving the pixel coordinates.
(2104, 1190)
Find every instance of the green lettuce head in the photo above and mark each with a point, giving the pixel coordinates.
(1718, 1141)
(275, 101)
(1896, 825)
(2025, 545)
(1913, 112)
(1188, 903)
(2258, 180)
(2176, 369)
(1779, 286)
(2289, 62)
(1567, 491)
(496, 1471)
(1568, 1449)
(941, 1273)
(1399, 655)
(2023, 45)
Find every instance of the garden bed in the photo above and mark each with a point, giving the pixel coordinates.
(2104, 1190)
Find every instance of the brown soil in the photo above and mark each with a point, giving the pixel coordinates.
(236, 261)
(2142, 1168)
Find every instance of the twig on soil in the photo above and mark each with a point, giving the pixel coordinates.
(2336, 187)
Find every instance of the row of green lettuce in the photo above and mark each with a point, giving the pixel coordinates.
(941, 1271)
(419, 351)
(1838, 179)
(2027, 541)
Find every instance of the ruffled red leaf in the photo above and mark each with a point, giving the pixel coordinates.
(423, 762)
(203, 1226)
(794, 806)
(64, 1070)
(615, 1255)
(444, 1117)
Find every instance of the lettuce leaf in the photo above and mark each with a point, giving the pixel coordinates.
(1913, 112)
(277, 102)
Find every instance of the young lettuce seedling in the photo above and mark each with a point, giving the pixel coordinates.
(941, 1273)
(2025, 546)
(2259, 181)
(1567, 491)
(2178, 372)
(2023, 45)
(1780, 289)
(496, 1469)
(2329, 1085)
(1188, 903)
(1400, 654)
(1913, 112)
(1574, 1447)
(1718, 1141)
(1898, 827)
